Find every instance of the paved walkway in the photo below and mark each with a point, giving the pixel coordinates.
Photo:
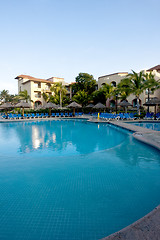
(147, 228)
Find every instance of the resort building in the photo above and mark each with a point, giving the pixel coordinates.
(115, 78)
(36, 86)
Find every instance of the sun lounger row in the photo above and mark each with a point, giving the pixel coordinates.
(151, 116)
(120, 116)
(39, 115)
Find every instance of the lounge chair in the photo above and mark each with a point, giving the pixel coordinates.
(42, 115)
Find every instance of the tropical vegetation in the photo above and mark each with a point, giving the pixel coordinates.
(84, 90)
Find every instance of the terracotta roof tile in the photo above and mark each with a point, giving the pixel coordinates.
(155, 68)
(30, 78)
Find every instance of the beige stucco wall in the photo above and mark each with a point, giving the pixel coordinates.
(111, 78)
(33, 89)
(119, 76)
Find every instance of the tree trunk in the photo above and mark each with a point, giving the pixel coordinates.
(148, 100)
(138, 109)
(60, 99)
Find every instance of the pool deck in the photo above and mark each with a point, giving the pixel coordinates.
(148, 227)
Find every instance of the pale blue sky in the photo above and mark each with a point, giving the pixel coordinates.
(45, 38)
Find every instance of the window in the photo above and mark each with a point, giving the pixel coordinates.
(113, 84)
(112, 103)
(47, 87)
(38, 95)
(37, 85)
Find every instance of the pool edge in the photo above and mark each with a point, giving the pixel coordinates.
(146, 228)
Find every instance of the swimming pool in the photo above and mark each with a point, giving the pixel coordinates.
(150, 125)
(73, 180)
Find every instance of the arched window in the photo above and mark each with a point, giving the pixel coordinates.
(113, 83)
(134, 102)
(112, 103)
(37, 103)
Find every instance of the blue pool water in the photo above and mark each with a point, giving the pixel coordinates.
(149, 125)
(73, 180)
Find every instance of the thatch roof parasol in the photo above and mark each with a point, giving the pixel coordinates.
(89, 106)
(153, 102)
(6, 105)
(99, 106)
(22, 105)
(50, 105)
(124, 103)
(74, 105)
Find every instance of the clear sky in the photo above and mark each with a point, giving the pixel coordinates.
(45, 38)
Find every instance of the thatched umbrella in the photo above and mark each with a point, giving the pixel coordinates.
(50, 106)
(22, 105)
(153, 102)
(6, 106)
(124, 104)
(99, 106)
(89, 106)
(74, 105)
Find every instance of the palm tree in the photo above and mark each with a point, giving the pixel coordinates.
(60, 90)
(123, 90)
(81, 97)
(136, 83)
(46, 97)
(23, 95)
(151, 84)
(4, 95)
(109, 91)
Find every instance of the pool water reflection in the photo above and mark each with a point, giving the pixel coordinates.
(57, 138)
(73, 180)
